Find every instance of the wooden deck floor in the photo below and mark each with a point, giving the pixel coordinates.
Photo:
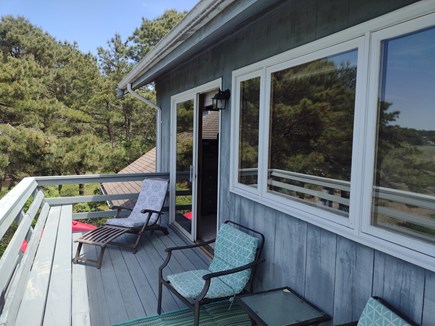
(126, 286)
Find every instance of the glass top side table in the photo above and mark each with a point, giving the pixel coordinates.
(279, 307)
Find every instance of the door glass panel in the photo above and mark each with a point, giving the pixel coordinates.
(208, 150)
(404, 180)
(184, 164)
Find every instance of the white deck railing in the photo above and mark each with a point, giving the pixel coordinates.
(35, 282)
(45, 224)
(333, 195)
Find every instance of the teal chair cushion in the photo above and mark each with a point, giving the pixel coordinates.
(233, 248)
(375, 313)
(189, 285)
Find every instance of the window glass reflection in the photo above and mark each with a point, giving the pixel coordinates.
(184, 150)
(404, 193)
(311, 131)
(248, 132)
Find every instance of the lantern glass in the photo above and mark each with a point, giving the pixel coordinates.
(219, 101)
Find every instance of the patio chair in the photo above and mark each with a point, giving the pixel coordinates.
(379, 312)
(145, 216)
(237, 253)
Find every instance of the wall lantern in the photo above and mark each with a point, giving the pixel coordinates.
(219, 101)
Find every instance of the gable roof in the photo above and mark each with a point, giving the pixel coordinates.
(147, 164)
(144, 164)
(210, 125)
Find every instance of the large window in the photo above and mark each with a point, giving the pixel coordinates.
(404, 175)
(311, 131)
(341, 133)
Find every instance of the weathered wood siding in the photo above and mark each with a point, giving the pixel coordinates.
(335, 273)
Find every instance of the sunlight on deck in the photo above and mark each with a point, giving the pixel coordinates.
(126, 286)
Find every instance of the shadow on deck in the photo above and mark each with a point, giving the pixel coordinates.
(126, 286)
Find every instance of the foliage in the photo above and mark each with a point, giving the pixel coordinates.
(73, 190)
(184, 145)
(25, 150)
(58, 109)
(312, 123)
(4, 241)
(403, 161)
(249, 126)
(150, 32)
(312, 110)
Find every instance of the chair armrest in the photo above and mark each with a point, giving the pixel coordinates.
(144, 211)
(207, 277)
(171, 249)
(232, 270)
(190, 246)
(150, 212)
(121, 207)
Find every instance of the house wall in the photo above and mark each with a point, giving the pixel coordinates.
(334, 273)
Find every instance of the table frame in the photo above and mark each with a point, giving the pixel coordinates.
(256, 319)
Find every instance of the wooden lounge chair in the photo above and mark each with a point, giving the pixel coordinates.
(378, 312)
(145, 216)
(236, 255)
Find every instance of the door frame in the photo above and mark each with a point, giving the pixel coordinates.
(191, 94)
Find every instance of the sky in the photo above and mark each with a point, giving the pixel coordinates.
(410, 76)
(91, 23)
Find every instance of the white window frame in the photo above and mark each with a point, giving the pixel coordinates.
(366, 37)
(294, 207)
(264, 70)
(370, 231)
(235, 129)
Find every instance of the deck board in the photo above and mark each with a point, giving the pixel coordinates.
(132, 302)
(80, 302)
(112, 289)
(196, 256)
(189, 258)
(126, 286)
(141, 283)
(33, 302)
(155, 258)
(58, 306)
(97, 300)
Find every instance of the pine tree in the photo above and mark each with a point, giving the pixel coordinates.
(58, 109)
(150, 32)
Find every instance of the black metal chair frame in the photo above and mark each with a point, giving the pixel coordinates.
(200, 300)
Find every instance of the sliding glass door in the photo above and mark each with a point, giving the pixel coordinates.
(194, 162)
(184, 165)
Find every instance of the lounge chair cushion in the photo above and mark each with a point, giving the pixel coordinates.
(375, 313)
(233, 248)
(189, 285)
(151, 196)
(126, 222)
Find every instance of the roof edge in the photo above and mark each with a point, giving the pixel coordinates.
(200, 15)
